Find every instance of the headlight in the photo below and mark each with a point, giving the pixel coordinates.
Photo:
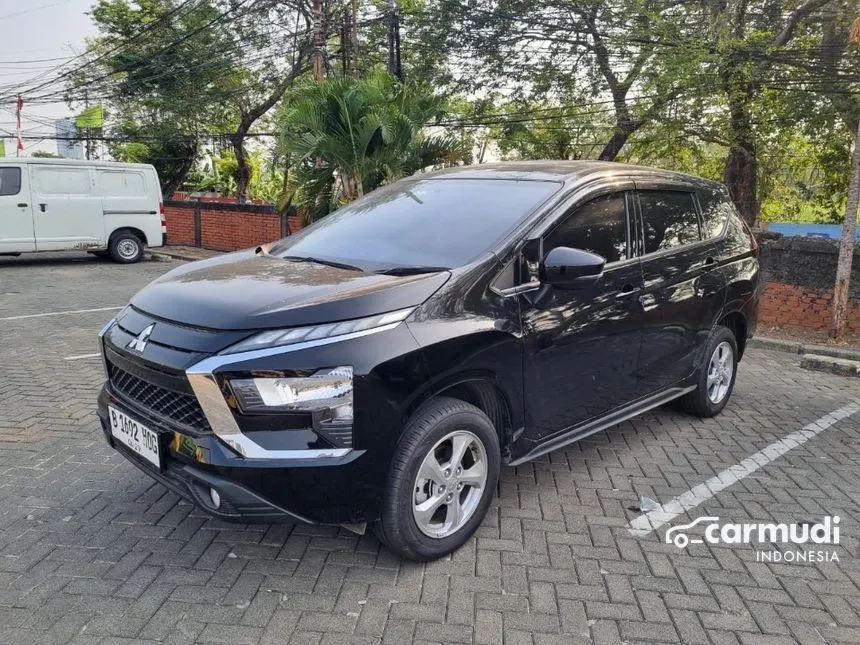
(336, 330)
(324, 389)
(325, 395)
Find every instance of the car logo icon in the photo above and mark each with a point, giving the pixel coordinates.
(138, 344)
(681, 540)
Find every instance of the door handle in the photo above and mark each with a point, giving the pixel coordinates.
(708, 264)
(42, 207)
(627, 290)
(22, 205)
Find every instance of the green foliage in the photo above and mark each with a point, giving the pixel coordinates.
(348, 136)
(43, 154)
(218, 174)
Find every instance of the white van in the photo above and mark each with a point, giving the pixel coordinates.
(102, 207)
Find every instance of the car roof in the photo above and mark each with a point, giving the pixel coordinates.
(55, 161)
(570, 172)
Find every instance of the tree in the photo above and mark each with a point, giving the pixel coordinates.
(161, 66)
(846, 247)
(562, 53)
(348, 136)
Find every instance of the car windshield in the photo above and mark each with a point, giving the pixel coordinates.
(431, 223)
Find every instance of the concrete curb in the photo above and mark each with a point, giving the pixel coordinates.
(793, 347)
(158, 257)
(840, 366)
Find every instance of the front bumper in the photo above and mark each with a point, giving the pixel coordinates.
(324, 491)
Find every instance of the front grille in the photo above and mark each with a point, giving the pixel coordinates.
(177, 406)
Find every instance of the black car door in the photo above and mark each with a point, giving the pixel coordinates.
(681, 293)
(581, 345)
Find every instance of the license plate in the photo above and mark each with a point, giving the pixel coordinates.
(135, 435)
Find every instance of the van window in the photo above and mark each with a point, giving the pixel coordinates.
(122, 184)
(716, 208)
(669, 219)
(10, 181)
(58, 180)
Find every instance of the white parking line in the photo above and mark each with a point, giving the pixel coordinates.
(653, 520)
(80, 356)
(60, 313)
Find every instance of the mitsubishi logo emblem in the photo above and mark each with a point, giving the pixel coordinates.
(138, 344)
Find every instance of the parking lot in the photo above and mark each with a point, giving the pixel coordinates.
(92, 551)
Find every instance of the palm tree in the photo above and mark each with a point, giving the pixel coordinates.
(347, 136)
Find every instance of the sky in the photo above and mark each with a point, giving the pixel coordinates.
(35, 31)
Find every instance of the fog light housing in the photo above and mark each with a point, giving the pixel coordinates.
(215, 497)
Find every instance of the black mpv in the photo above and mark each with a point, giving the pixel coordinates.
(378, 367)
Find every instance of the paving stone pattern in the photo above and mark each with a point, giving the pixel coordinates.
(93, 552)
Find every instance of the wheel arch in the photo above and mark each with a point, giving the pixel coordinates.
(479, 389)
(139, 234)
(736, 321)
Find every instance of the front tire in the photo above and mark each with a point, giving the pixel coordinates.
(443, 476)
(716, 377)
(125, 247)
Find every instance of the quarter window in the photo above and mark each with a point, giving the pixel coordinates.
(716, 208)
(669, 219)
(10, 181)
(599, 226)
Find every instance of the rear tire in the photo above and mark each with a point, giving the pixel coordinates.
(443, 476)
(125, 247)
(716, 377)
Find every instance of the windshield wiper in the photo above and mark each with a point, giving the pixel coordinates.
(411, 270)
(330, 263)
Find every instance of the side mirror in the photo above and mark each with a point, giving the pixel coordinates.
(567, 268)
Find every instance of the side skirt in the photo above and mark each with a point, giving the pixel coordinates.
(601, 423)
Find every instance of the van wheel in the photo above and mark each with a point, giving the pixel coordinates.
(442, 479)
(125, 248)
(716, 378)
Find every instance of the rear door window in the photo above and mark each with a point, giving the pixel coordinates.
(669, 219)
(10, 181)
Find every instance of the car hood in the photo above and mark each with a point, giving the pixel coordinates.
(248, 291)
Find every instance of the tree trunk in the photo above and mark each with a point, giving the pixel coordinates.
(741, 170)
(170, 186)
(846, 248)
(622, 133)
(243, 169)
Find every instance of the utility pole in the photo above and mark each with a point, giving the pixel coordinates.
(319, 41)
(87, 129)
(398, 63)
(393, 37)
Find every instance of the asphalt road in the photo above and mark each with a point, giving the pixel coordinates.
(92, 551)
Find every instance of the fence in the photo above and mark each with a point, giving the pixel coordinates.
(225, 227)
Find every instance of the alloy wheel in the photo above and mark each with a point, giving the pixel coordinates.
(449, 484)
(720, 371)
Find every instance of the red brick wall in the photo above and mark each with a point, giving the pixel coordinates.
(224, 228)
(798, 275)
(180, 225)
(791, 306)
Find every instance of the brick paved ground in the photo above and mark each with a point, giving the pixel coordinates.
(91, 551)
